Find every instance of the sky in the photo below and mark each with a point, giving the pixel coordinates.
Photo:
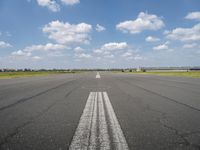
(67, 34)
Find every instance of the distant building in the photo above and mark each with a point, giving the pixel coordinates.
(8, 70)
(138, 69)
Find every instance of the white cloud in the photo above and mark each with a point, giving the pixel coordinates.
(83, 55)
(46, 47)
(193, 16)
(49, 47)
(78, 50)
(80, 53)
(70, 2)
(66, 33)
(152, 39)
(114, 46)
(188, 46)
(97, 51)
(4, 44)
(185, 34)
(129, 55)
(21, 53)
(143, 22)
(36, 58)
(162, 47)
(100, 28)
(50, 4)
(116, 50)
(108, 50)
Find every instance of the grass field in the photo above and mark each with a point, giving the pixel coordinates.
(195, 74)
(29, 74)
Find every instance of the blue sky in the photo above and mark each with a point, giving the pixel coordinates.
(99, 33)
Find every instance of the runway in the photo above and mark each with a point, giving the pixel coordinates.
(100, 111)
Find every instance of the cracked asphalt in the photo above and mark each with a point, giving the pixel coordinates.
(155, 113)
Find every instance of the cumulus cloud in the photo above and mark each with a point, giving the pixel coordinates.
(50, 4)
(152, 39)
(164, 46)
(114, 46)
(143, 22)
(66, 33)
(27, 51)
(70, 2)
(127, 54)
(108, 49)
(78, 50)
(185, 34)
(4, 44)
(46, 47)
(130, 55)
(21, 53)
(97, 51)
(111, 50)
(193, 16)
(80, 53)
(100, 28)
(161, 47)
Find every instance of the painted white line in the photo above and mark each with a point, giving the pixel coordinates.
(119, 140)
(92, 131)
(82, 134)
(103, 128)
(98, 75)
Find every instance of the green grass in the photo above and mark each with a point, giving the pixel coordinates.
(195, 74)
(30, 74)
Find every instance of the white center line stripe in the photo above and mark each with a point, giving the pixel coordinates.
(119, 140)
(93, 132)
(98, 75)
(97, 119)
(82, 134)
(103, 128)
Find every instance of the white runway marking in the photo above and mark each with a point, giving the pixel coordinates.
(119, 140)
(98, 127)
(98, 75)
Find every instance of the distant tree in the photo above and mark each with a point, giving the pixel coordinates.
(143, 70)
(26, 69)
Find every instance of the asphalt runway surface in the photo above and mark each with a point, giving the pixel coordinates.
(100, 111)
